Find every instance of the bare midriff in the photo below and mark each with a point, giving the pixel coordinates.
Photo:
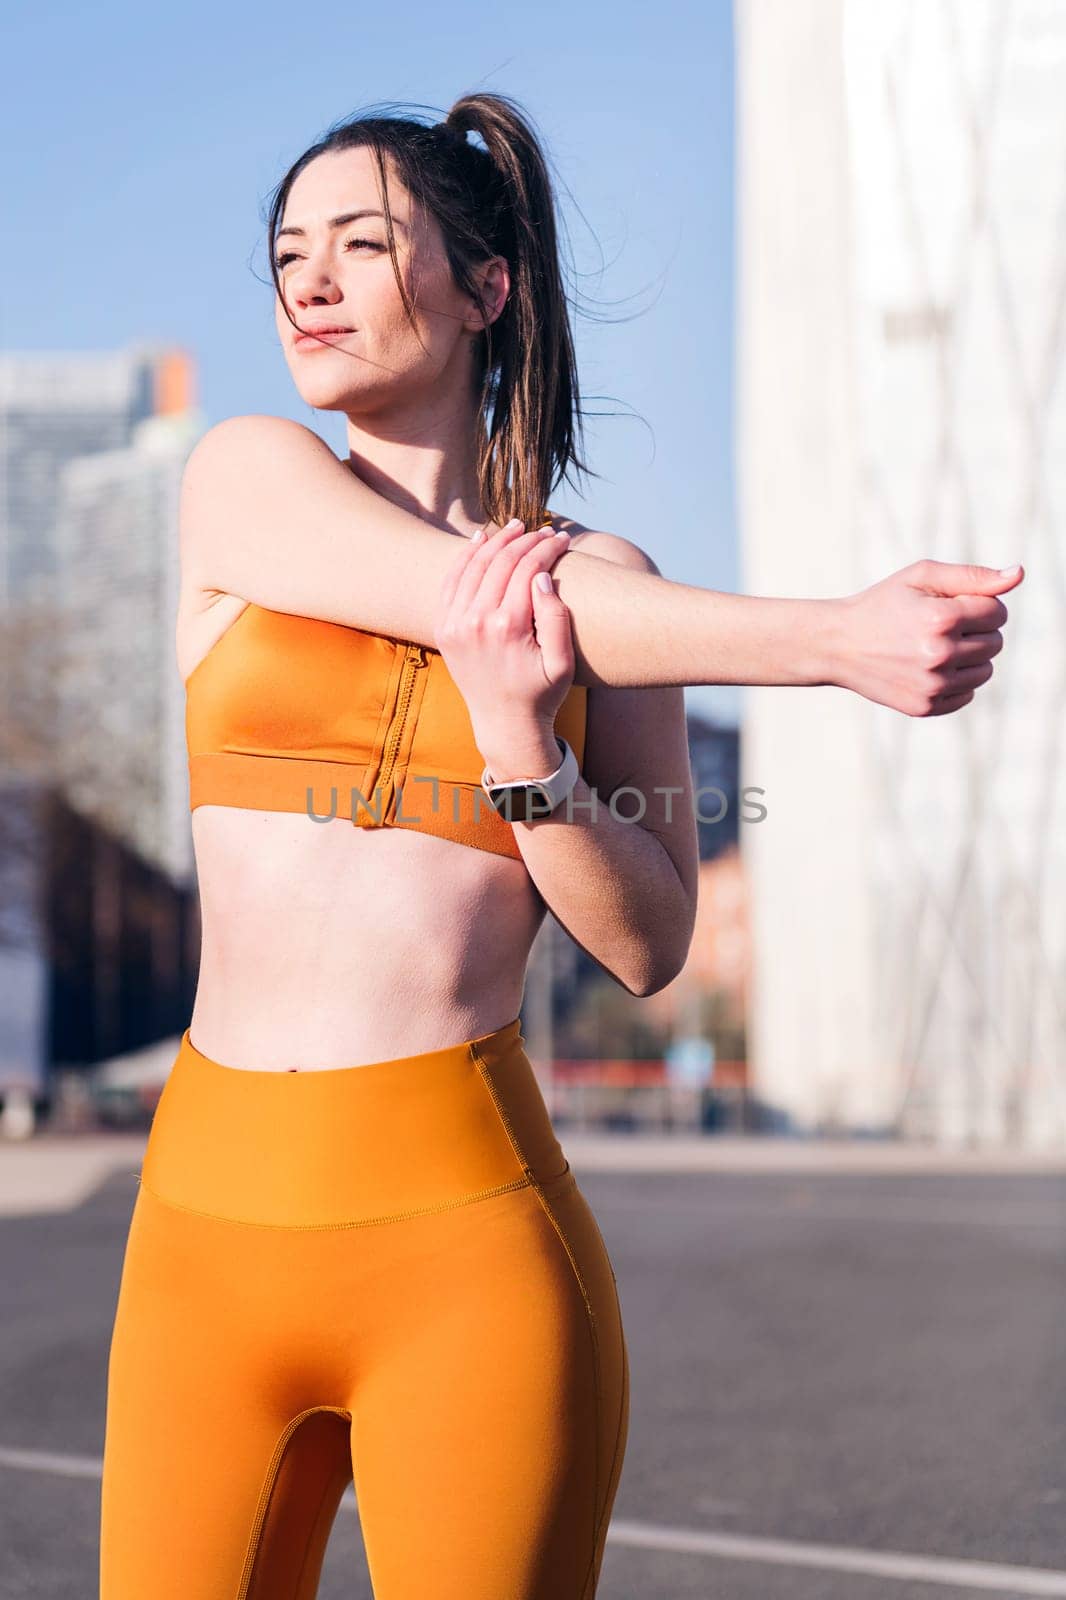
(327, 945)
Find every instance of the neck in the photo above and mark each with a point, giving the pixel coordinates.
(421, 457)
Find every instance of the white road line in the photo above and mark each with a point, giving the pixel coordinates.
(823, 1208)
(48, 1461)
(839, 1558)
(729, 1546)
(759, 1153)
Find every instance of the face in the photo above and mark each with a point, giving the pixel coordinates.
(342, 275)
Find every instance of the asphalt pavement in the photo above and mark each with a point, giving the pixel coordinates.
(848, 1369)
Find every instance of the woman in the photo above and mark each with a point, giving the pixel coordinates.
(358, 1247)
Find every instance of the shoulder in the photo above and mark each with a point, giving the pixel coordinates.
(237, 472)
(254, 438)
(248, 464)
(608, 546)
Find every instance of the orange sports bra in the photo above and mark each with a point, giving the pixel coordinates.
(289, 713)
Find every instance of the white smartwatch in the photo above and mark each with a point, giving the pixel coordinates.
(527, 799)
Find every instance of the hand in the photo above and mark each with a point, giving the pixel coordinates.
(922, 640)
(508, 645)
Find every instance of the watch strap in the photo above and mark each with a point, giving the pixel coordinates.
(553, 789)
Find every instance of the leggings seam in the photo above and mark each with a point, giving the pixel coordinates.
(597, 1380)
(267, 1489)
(363, 1222)
(538, 1189)
(621, 1414)
(625, 1356)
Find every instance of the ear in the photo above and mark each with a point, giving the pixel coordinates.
(494, 281)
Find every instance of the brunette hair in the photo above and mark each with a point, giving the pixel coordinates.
(496, 200)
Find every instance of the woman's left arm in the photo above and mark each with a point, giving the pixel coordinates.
(621, 878)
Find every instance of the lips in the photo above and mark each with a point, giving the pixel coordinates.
(328, 334)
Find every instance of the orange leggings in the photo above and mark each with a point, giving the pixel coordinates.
(383, 1272)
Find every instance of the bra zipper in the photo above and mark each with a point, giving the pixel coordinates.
(414, 657)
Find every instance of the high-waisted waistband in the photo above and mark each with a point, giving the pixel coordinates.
(351, 1145)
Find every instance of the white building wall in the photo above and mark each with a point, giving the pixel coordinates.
(901, 278)
(814, 1052)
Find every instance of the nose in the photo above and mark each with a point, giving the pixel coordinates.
(308, 283)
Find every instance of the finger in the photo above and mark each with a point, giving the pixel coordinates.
(975, 647)
(978, 614)
(514, 615)
(961, 577)
(968, 678)
(501, 573)
(485, 552)
(551, 618)
(469, 549)
(950, 702)
(538, 559)
(512, 618)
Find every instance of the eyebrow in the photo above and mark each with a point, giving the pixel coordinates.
(342, 221)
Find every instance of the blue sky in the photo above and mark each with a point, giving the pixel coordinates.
(144, 142)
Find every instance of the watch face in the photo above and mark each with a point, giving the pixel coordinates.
(522, 805)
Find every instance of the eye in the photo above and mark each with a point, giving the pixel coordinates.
(289, 255)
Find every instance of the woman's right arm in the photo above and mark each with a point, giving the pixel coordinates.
(270, 514)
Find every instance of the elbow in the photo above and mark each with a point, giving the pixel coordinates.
(653, 972)
(647, 960)
(655, 962)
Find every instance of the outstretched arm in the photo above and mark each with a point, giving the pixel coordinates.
(269, 513)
